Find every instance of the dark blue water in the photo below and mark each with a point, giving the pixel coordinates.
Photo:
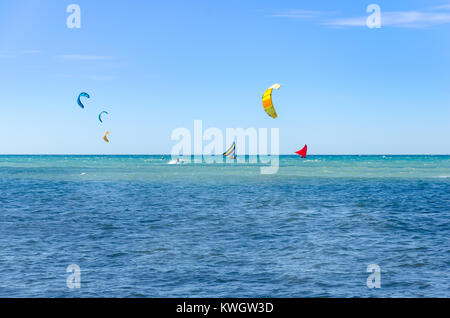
(138, 227)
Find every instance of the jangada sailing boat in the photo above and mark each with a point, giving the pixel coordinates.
(231, 152)
(302, 152)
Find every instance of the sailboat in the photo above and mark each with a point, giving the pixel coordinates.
(231, 152)
(302, 152)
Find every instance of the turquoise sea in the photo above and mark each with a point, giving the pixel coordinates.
(139, 227)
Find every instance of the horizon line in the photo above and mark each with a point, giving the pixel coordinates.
(192, 155)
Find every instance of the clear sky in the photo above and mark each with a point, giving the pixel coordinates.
(159, 65)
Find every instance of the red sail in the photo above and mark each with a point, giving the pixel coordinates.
(303, 151)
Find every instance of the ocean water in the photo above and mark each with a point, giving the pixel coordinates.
(139, 227)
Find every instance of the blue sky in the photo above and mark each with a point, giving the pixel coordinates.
(159, 65)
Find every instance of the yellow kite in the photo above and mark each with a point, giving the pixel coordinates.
(267, 101)
(104, 137)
